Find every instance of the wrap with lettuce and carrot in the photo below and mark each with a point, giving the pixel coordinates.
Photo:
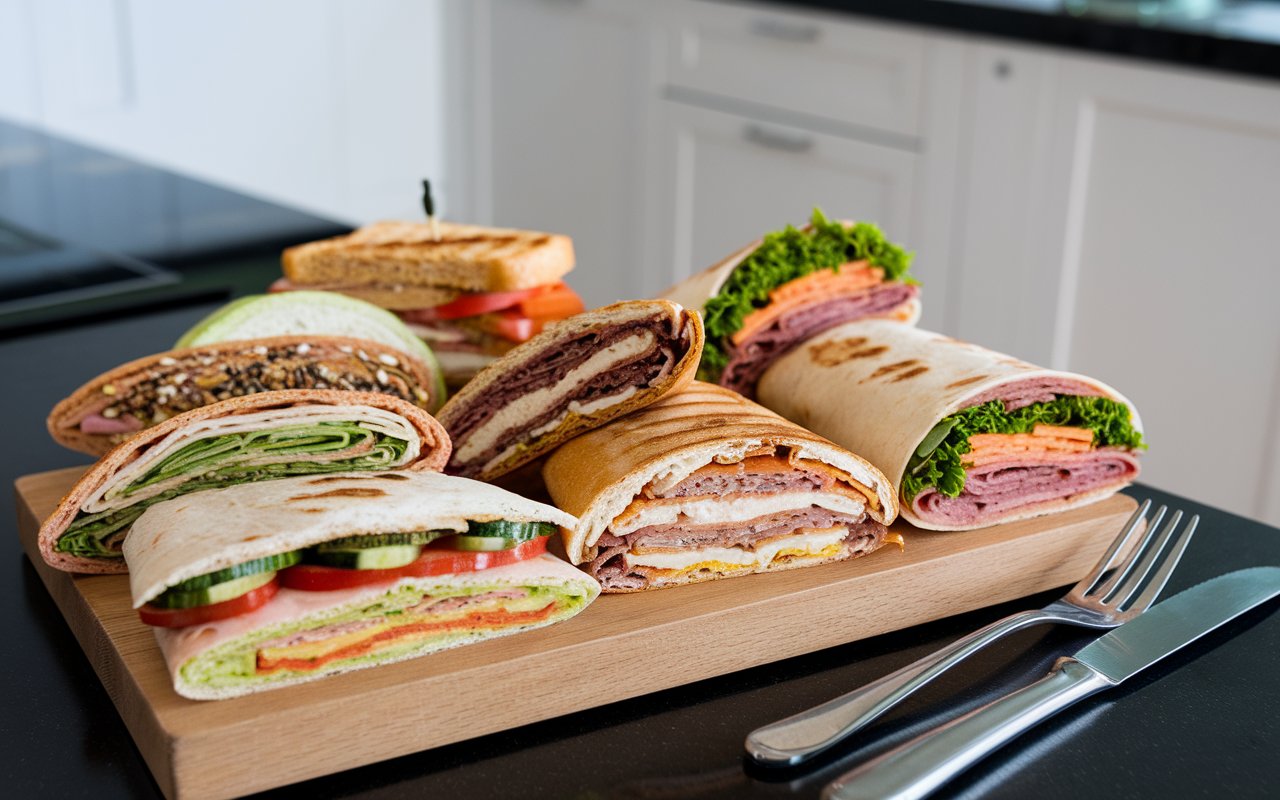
(764, 300)
(972, 437)
(258, 437)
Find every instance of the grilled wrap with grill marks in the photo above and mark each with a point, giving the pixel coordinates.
(583, 372)
(705, 484)
(973, 437)
(145, 392)
(256, 437)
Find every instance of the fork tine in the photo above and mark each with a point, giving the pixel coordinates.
(1167, 563)
(1122, 570)
(1104, 563)
(1133, 578)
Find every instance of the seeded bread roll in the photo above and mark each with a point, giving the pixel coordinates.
(406, 254)
(117, 404)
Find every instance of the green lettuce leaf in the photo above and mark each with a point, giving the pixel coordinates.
(943, 465)
(784, 256)
(220, 461)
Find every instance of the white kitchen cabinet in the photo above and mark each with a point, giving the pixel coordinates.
(732, 178)
(1138, 246)
(571, 94)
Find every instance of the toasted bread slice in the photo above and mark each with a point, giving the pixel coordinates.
(469, 258)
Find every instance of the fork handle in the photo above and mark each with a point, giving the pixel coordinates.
(798, 738)
(920, 766)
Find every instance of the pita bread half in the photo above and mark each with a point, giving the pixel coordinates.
(597, 475)
(879, 387)
(100, 489)
(517, 409)
(207, 531)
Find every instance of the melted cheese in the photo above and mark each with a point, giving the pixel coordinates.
(644, 512)
(814, 543)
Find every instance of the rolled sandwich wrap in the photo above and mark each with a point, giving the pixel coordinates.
(973, 437)
(706, 484)
(767, 298)
(256, 437)
(576, 376)
(306, 313)
(117, 404)
(299, 635)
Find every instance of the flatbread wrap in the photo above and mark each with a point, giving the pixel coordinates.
(145, 392)
(263, 436)
(270, 584)
(767, 298)
(972, 436)
(706, 484)
(576, 376)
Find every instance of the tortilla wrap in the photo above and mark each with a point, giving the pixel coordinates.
(207, 531)
(117, 404)
(578, 375)
(283, 442)
(879, 388)
(707, 464)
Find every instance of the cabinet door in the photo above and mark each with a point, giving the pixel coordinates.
(1155, 267)
(570, 99)
(732, 178)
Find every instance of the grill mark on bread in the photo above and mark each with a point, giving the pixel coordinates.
(966, 381)
(888, 369)
(341, 478)
(911, 373)
(353, 491)
(494, 240)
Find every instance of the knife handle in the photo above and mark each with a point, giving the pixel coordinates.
(920, 766)
(798, 738)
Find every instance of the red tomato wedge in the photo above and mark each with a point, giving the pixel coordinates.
(182, 617)
(433, 561)
(556, 301)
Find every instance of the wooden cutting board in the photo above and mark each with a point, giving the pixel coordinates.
(661, 639)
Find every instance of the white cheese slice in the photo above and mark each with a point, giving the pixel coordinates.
(698, 511)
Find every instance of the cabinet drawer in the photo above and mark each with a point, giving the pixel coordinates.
(861, 74)
(731, 179)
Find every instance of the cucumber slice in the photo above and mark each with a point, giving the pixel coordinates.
(389, 557)
(518, 531)
(465, 541)
(217, 593)
(382, 540)
(258, 565)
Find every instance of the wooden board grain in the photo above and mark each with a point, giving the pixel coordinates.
(658, 639)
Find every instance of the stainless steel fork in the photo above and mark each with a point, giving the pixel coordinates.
(1116, 591)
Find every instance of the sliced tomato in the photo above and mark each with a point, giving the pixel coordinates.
(182, 617)
(553, 302)
(513, 326)
(469, 305)
(434, 560)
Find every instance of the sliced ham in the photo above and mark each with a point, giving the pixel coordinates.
(1020, 394)
(751, 357)
(995, 489)
(96, 423)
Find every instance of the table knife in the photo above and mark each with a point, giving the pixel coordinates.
(920, 766)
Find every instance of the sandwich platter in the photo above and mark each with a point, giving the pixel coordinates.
(238, 746)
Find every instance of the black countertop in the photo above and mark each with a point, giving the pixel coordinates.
(1237, 36)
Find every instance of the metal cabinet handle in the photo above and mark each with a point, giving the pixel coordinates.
(784, 31)
(776, 140)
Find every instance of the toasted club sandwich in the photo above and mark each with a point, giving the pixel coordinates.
(269, 584)
(471, 292)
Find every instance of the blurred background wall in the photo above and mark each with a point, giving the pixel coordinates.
(1112, 215)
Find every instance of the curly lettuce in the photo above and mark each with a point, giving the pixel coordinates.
(785, 256)
(939, 460)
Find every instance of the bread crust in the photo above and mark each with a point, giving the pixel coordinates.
(432, 458)
(608, 316)
(468, 258)
(69, 435)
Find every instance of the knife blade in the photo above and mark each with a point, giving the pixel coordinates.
(920, 766)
